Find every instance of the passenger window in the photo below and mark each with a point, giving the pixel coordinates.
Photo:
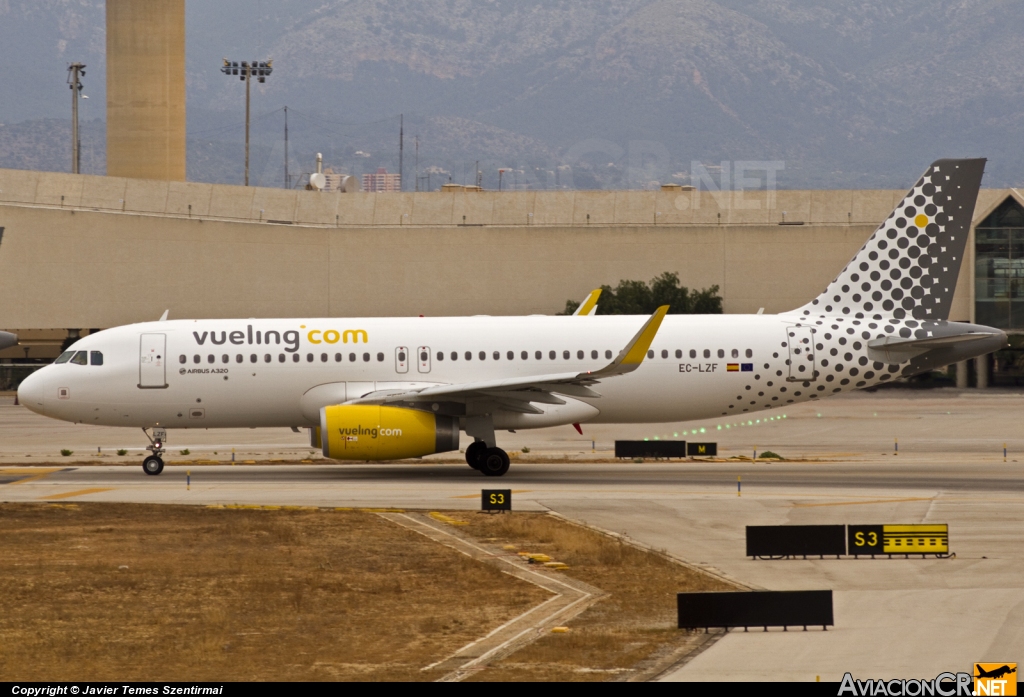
(351, 358)
(337, 358)
(497, 355)
(196, 358)
(96, 357)
(366, 358)
(483, 355)
(64, 357)
(440, 355)
(211, 358)
(455, 355)
(693, 353)
(81, 358)
(707, 353)
(469, 355)
(309, 357)
(537, 355)
(253, 358)
(565, 355)
(721, 353)
(295, 357)
(735, 353)
(579, 355)
(266, 358)
(323, 357)
(225, 358)
(679, 353)
(510, 355)
(524, 355)
(664, 353)
(239, 358)
(380, 357)
(607, 353)
(280, 358)
(181, 359)
(593, 354)
(401, 356)
(749, 353)
(650, 354)
(551, 355)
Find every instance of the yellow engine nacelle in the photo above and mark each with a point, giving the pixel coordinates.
(372, 432)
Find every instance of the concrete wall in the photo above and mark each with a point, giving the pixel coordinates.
(83, 251)
(146, 89)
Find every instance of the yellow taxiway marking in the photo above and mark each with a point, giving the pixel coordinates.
(861, 503)
(476, 496)
(30, 474)
(69, 494)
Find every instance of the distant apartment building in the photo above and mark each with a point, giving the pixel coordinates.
(382, 181)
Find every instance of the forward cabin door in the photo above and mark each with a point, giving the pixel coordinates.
(801, 354)
(152, 361)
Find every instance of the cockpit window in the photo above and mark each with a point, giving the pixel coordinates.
(81, 358)
(64, 357)
(96, 357)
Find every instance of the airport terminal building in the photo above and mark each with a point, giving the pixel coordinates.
(80, 253)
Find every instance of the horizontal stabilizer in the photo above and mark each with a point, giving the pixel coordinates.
(894, 350)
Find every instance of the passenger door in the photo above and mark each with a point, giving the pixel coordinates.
(423, 354)
(152, 361)
(801, 354)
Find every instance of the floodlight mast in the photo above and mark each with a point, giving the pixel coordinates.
(246, 70)
(75, 71)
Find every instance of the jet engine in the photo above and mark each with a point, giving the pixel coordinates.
(373, 432)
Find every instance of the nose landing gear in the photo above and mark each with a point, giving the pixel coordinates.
(154, 464)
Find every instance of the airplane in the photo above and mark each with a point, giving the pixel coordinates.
(394, 388)
(996, 673)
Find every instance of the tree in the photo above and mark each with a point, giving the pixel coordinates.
(639, 298)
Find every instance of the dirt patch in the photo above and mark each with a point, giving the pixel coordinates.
(155, 592)
(620, 636)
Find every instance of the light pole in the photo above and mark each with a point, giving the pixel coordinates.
(245, 70)
(75, 71)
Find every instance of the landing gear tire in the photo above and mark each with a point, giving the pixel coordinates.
(475, 453)
(153, 465)
(494, 462)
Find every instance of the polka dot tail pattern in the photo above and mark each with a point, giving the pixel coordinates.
(909, 267)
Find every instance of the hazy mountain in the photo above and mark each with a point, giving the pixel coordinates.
(615, 93)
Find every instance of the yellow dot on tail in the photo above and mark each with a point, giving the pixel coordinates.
(921, 220)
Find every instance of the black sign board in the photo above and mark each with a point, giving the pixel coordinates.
(864, 539)
(701, 449)
(496, 500)
(650, 448)
(795, 540)
(755, 609)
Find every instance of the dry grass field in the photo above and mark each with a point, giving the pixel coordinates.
(156, 592)
(622, 632)
(148, 592)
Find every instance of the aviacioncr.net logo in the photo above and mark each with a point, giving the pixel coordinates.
(943, 685)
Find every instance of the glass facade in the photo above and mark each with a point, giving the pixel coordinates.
(999, 267)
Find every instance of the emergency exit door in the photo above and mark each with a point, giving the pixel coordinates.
(152, 361)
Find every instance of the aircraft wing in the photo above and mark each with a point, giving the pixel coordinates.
(588, 306)
(518, 394)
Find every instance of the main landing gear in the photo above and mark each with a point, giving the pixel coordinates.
(492, 462)
(154, 464)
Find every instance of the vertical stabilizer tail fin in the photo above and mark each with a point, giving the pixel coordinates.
(909, 266)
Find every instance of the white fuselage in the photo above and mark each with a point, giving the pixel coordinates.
(262, 372)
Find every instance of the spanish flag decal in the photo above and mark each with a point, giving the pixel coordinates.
(733, 367)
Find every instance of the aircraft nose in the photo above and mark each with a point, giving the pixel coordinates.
(31, 391)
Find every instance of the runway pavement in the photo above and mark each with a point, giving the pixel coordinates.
(894, 617)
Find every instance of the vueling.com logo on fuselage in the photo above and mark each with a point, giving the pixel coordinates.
(354, 432)
(274, 337)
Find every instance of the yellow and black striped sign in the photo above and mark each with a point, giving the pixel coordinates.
(898, 539)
